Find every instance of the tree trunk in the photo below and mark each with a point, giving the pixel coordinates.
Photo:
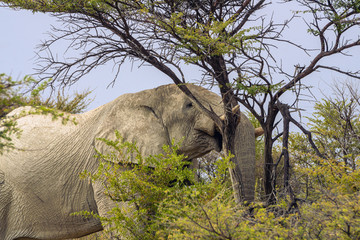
(268, 169)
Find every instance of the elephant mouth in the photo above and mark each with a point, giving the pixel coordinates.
(213, 141)
(214, 144)
(201, 143)
(218, 139)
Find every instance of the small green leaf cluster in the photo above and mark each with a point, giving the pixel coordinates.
(342, 13)
(205, 40)
(11, 97)
(76, 103)
(254, 89)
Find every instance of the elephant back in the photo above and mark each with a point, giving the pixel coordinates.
(39, 130)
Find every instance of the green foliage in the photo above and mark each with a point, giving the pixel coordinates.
(153, 192)
(332, 191)
(336, 130)
(74, 104)
(59, 6)
(339, 12)
(330, 187)
(331, 212)
(10, 98)
(153, 202)
(204, 40)
(254, 89)
(10, 93)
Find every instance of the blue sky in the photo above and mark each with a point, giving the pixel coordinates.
(22, 31)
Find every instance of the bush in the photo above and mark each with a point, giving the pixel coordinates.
(164, 201)
(156, 190)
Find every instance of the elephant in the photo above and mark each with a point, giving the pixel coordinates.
(40, 186)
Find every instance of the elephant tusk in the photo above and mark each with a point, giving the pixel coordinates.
(234, 110)
(259, 131)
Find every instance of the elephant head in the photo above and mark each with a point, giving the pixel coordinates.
(155, 117)
(40, 185)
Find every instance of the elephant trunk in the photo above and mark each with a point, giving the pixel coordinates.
(245, 156)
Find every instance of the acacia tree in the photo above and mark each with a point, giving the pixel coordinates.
(336, 125)
(229, 41)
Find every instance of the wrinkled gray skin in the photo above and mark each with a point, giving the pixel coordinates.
(40, 185)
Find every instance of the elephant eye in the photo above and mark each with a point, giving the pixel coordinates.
(189, 105)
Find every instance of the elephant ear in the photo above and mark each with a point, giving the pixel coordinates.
(245, 156)
(136, 120)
